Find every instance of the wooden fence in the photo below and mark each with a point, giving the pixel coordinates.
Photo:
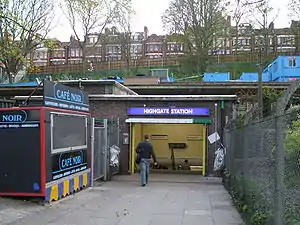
(121, 65)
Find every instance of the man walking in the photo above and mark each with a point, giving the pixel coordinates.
(145, 152)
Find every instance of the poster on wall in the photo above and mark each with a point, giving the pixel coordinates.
(61, 96)
(68, 163)
(213, 138)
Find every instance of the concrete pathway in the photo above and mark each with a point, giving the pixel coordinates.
(166, 201)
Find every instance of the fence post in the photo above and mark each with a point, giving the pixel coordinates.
(118, 130)
(105, 155)
(92, 150)
(232, 147)
(279, 174)
(244, 153)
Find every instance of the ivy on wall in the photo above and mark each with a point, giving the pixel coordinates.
(270, 97)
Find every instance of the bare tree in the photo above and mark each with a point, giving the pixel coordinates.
(294, 8)
(125, 37)
(200, 22)
(24, 24)
(93, 16)
(294, 11)
(239, 12)
(263, 22)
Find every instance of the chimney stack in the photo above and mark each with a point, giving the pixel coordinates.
(146, 32)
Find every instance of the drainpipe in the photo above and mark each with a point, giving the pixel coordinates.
(222, 118)
(216, 125)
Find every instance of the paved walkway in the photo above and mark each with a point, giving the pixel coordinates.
(166, 201)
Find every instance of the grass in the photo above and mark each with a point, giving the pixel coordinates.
(235, 69)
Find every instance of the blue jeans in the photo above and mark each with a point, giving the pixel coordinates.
(144, 170)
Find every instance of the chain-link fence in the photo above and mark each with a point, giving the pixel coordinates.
(106, 148)
(263, 168)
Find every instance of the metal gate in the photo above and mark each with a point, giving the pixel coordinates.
(113, 132)
(99, 149)
(105, 145)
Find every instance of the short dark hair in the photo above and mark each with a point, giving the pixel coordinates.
(146, 136)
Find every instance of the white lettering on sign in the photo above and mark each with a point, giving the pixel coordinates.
(182, 111)
(156, 111)
(12, 118)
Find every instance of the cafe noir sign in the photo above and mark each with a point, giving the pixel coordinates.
(169, 111)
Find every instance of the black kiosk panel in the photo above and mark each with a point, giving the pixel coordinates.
(20, 151)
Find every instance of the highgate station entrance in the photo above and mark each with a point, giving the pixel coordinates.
(179, 144)
(178, 127)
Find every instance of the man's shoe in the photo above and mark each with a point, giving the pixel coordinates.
(143, 185)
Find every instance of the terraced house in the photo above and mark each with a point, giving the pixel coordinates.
(114, 45)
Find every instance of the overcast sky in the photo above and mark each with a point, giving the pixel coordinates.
(148, 13)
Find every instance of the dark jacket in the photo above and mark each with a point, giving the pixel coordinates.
(145, 150)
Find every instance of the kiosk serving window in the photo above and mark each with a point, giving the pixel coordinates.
(67, 133)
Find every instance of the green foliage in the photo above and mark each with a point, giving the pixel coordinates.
(270, 96)
(250, 201)
(291, 213)
(193, 64)
(179, 72)
(292, 143)
(198, 27)
(241, 121)
(24, 24)
(50, 43)
(292, 167)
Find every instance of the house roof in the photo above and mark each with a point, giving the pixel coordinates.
(283, 31)
(155, 38)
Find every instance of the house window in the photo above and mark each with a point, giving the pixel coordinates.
(38, 55)
(292, 62)
(154, 47)
(136, 49)
(73, 53)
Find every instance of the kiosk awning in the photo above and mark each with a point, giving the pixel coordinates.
(168, 120)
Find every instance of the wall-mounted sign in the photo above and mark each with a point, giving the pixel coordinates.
(61, 96)
(169, 111)
(19, 118)
(125, 139)
(68, 163)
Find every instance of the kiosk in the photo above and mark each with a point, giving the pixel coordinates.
(45, 150)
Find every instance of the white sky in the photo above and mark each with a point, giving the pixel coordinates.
(148, 13)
